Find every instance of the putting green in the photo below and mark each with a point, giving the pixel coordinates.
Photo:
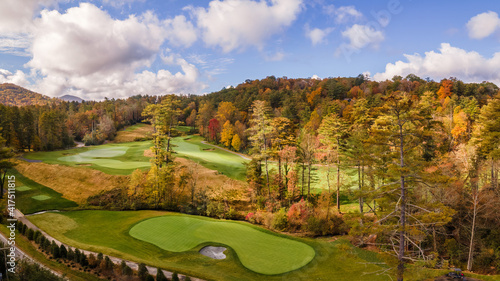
(22, 188)
(257, 250)
(101, 157)
(41, 197)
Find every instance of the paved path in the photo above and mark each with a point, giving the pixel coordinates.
(230, 151)
(135, 266)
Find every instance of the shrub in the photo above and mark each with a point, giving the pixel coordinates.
(143, 272)
(160, 276)
(280, 220)
(63, 252)
(334, 225)
(298, 215)
(215, 209)
(175, 277)
(30, 234)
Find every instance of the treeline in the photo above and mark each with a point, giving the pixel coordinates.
(58, 125)
(419, 155)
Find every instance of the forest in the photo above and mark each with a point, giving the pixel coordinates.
(409, 165)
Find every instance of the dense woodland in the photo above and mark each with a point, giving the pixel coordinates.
(419, 157)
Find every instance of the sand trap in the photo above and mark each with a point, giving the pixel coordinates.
(213, 252)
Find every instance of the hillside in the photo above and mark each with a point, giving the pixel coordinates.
(70, 98)
(11, 94)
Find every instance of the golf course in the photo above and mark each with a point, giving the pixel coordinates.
(257, 250)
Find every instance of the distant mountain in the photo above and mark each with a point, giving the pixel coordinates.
(70, 98)
(11, 94)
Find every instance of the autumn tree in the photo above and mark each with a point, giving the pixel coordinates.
(214, 130)
(236, 142)
(333, 131)
(226, 136)
(399, 130)
(260, 132)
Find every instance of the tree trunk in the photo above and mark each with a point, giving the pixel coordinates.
(338, 177)
(473, 230)
(309, 180)
(303, 178)
(360, 189)
(401, 262)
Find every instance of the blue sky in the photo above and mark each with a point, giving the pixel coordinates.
(118, 48)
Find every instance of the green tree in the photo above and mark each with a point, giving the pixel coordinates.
(399, 130)
(333, 131)
(160, 276)
(260, 132)
(5, 163)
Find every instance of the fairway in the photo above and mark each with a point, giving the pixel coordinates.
(227, 163)
(258, 251)
(41, 197)
(114, 159)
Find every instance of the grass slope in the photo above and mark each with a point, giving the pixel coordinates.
(75, 184)
(210, 157)
(257, 250)
(108, 232)
(33, 197)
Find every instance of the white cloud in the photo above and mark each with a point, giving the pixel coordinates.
(483, 25)
(346, 13)
(17, 16)
(315, 77)
(317, 35)
(18, 78)
(362, 35)
(180, 32)
(236, 24)
(448, 62)
(87, 53)
(15, 44)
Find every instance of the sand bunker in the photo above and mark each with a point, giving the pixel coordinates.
(213, 252)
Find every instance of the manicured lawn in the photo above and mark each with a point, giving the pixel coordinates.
(108, 232)
(114, 159)
(227, 163)
(32, 197)
(257, 250)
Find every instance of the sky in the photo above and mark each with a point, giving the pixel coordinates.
(119, 48)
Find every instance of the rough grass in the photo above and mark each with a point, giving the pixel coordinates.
(75, 184)
(27, 192)
(214, 183)
(217, 159)
(113, 159)
(108, 232)
(131, 133)
(257, 250)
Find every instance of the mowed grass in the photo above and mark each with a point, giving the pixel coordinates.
(32, 197)
(257, 250)
(226, 163)
(108, 232)
(113, 159)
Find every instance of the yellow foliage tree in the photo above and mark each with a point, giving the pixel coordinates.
(236, 143)
(227, 134)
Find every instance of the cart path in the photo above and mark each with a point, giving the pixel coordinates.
(135, 266)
